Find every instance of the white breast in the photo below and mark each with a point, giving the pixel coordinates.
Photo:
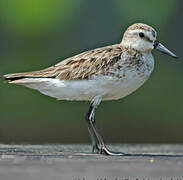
(132, 80)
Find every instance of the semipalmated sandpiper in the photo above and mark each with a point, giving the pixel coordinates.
(107, 73)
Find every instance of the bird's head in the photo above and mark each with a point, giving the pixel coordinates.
(142, 38)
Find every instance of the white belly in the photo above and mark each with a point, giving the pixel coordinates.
(107, 87)
(124, 87)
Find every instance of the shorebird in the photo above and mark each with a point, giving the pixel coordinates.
(107, 73)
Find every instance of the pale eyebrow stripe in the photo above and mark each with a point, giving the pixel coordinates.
(138, 31)
(134, 31)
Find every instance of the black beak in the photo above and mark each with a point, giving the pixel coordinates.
(157, 45)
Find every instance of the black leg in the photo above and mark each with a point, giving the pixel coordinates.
(93, 129)
(95, 147)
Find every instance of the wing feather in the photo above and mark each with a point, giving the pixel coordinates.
(81, 66)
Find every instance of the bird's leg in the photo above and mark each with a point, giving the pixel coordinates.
(103, 148)
(95, 147)
(91, 118)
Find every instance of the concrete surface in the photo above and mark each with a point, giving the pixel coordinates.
(76, 162)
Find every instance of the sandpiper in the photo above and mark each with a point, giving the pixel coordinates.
(107, 73)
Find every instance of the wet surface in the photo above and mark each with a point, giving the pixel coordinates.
(29, 162)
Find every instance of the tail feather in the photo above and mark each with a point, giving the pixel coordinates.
(13, 77)
(24, 79)
(17, 76)
(28, 75)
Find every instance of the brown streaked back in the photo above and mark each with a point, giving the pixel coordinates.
(78, 67)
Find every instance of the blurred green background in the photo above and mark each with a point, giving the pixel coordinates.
(38, 33)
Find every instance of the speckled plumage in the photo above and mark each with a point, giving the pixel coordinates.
(112, 72)
(102, 61)
(107, 73)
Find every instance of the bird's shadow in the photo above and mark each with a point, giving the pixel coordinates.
(152, 155)
(163, 155)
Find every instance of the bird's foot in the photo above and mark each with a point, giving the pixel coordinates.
(104, 150)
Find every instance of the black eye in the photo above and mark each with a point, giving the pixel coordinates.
(141, 34)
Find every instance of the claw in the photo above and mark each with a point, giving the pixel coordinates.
(106, 151)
